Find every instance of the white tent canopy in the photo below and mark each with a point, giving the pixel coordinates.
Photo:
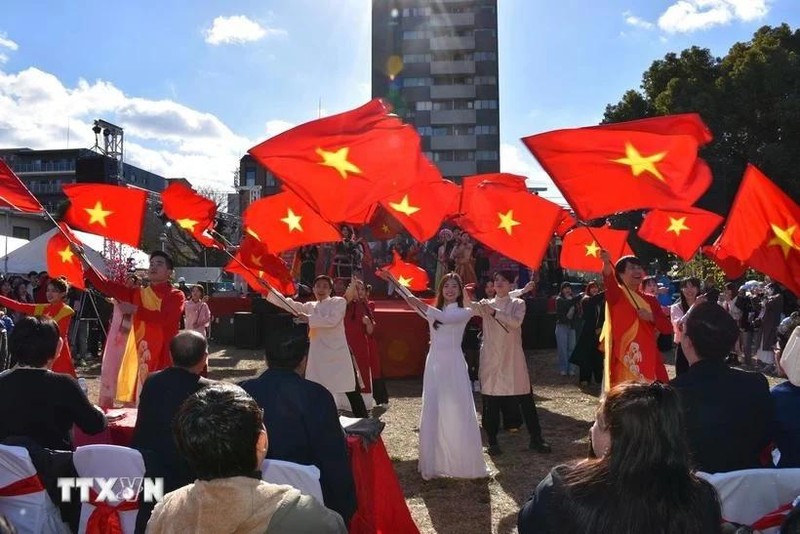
(33, 255)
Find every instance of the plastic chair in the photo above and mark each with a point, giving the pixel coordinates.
(750, 494)
(23, 499)
(302, 477)
(106, 461)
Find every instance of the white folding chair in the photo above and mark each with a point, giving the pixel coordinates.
(750, 494)
(108, 461)
(23, 499)
(302, 477)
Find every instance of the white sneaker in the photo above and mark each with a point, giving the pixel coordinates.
(476, 386)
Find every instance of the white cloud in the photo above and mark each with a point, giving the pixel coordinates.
(238, 29)
(5, 42)
(276, 126)
(515, 160)
(686, 16)
(3, 58)
(633, 20)
(161, 136)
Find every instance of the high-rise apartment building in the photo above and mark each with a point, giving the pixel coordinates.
(436, 62)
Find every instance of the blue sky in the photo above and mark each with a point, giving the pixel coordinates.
(197, 83)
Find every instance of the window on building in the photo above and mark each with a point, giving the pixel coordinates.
(425, 130)
(409, 35)
(486, 130)
(486, 104)
(485, 56)
(417, 58)
(463, 155)
(485, 80)
(487, 9)
(270, 180)
(21, 232)
(487, 155)
(485, 31)
(424, 105)
(461, 129)
(416, 82)
(250, 176)
(417, 11)
(441, 130)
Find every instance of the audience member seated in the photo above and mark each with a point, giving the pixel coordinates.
(220, 432)
(161, 396)
(786, 397)
(727, 411)
(640, 480)
(34, 401)
(303, 422)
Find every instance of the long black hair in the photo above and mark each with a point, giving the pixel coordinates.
(691, 281)
(440, 294)
(644, 482)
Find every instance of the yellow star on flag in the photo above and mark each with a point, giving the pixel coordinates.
(385, 228)
(252, 234)
(256, 260)
(592, 249)
(404, 207)
(338, 160)
(187, 224)
(98, 214)
(66, 255)
(639, 163)
(405, 282)
(292, 221)
(507, 221)
(677, 225)
(784, 238)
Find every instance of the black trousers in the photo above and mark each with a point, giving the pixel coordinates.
(492, 404)
(681, 363)
(379, 392)
(592, 368)
(357, 405)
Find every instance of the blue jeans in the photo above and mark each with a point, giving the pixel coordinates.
(565, 343)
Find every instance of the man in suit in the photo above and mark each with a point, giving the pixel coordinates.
(302, 422)
(727, 411)
(162, 395)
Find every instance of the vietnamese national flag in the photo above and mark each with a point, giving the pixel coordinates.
(498, 211)
(648, 163)
(682, 232)
(108, 210)
(62, 259)
(407, 274)
(383, 226)
(343, 164)
(14, 194)
(580, 250)
(763, 230)
(259, 264)
(284, 221)
(732, 267)
(190, 211)
(422, 208)
(566, 223)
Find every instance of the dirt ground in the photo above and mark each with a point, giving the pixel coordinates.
(454, 506)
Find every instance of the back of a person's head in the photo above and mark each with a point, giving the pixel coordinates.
(712, 331)
(188, 348)
(644, 482)
(216, 431)
(34, 340)
(287, 352)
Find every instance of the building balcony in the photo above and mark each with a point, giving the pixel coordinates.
(452, 91)
(452, 67)
(452, 19)
(453, 169)
(453, 142)
(455, 116)
(452, 43)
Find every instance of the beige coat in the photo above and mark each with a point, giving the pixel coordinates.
(503, 369)
(329, 360)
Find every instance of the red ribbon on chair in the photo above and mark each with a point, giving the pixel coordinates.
(773, 519)
(105, 517)
(25, 486)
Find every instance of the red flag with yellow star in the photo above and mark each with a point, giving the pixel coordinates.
(407, 274)
(62, 261)
(732, 267)
(580, 250)
(762, 230)
(607, 169)
(14, 194)
(108, 210)
(343, 164)
(259, 264)
(191, 212)
(383, 226)
(498, 211)
(566, 223)
(681, 232)
(284, 221)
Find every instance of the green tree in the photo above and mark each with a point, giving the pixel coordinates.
(750, 99)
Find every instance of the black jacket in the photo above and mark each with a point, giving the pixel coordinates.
(303, 427)
(727, 413)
